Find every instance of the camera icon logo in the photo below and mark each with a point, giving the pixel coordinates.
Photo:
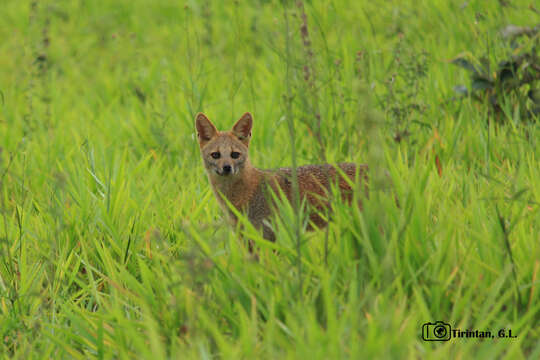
(437, 331)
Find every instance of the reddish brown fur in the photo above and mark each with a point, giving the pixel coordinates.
(246, 187)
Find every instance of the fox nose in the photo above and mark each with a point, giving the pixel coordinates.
(227, 169)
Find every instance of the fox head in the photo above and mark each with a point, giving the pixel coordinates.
(225, 153)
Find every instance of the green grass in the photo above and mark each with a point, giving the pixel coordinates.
(112, 244)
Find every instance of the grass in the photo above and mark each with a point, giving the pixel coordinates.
(113, 246)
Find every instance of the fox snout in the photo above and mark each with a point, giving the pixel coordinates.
(224, 167)
(225, 170)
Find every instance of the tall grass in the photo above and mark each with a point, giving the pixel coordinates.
(112, 244)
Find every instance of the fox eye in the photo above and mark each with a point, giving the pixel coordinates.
(215, 155)
(235, 154)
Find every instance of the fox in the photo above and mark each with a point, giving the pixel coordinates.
(235, 180)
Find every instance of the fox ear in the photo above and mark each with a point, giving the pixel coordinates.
(242, 128)
(205, 129)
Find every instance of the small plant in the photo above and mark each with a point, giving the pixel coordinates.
(401, 101)
(515, 80)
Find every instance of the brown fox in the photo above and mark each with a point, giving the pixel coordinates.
(225, 156)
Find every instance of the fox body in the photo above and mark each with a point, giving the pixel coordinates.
(231, 175)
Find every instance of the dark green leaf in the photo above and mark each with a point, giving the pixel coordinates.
(481, 83)
(510, 65)
(507, 70)
(534, 95)
(505, 75)
(466, 64)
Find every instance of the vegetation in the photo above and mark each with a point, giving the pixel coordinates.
(112, 244)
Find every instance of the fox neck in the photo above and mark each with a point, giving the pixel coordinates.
(238, 188)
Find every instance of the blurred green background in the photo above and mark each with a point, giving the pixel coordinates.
(113, 246)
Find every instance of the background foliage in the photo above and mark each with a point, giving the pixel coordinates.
(112, 244)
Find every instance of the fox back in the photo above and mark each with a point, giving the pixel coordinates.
(232, 177)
